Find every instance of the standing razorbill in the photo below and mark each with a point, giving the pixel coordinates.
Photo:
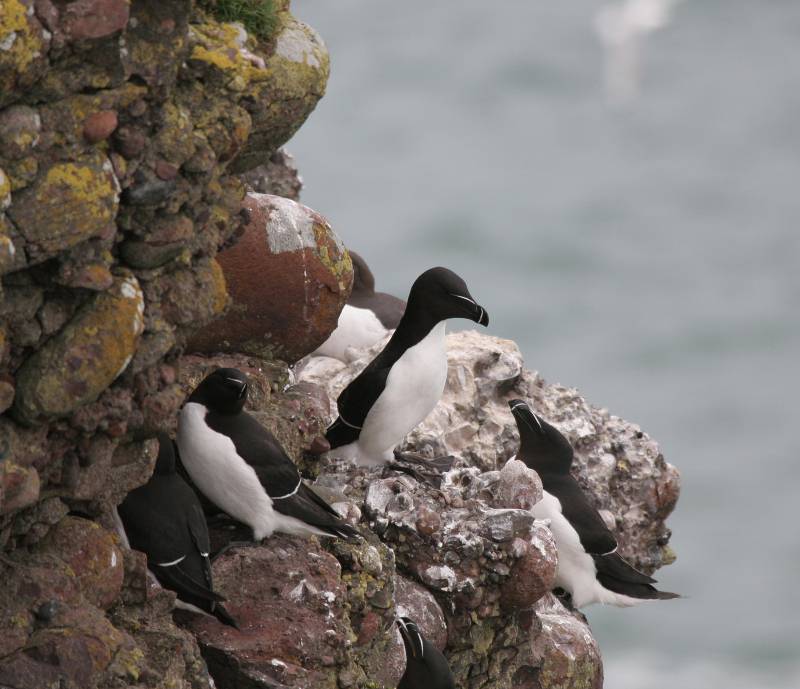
(164, 520)
(589, 567)
(240, 466)
(426, 667)
(402, 385)
(365, 319)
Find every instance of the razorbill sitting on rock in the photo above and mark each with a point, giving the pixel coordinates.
(241, 467)
(402, 385)
(589, 567)
(367, 317)
(426, 667)
(164, 520)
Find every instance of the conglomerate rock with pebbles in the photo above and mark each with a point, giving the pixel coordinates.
(129, 134)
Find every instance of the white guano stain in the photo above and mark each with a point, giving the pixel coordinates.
(290, 226)
(298, 43)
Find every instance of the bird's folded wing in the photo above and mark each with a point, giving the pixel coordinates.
(596, 538)
(354, 404)
(310, 508)
(198, 528)
(261, 450)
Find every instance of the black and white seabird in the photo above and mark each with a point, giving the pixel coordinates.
(426, 667)
(589, 567)
(367, 317)
(387, 308)
(242, 468)
(164, 520)
(402, 385)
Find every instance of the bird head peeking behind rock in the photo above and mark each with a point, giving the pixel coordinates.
(439, 294)
(426, 667)
(542, 446)
(224, 391)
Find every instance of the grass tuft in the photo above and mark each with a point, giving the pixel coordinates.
(257, 16)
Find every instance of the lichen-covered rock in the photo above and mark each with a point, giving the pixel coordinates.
(85, 357)
(92, 553)
(23, 49)
(289, 277)
(69, 203)
(297, 75)
(566, 653)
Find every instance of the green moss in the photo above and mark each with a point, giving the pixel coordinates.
(259, 17)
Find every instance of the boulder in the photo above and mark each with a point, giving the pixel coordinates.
(79, 363)
(288, 275)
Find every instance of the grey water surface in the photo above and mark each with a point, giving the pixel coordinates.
(644, 249)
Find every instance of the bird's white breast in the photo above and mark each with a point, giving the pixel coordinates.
(576, 570)
(357, 329)
(221, 474)
(413, 388)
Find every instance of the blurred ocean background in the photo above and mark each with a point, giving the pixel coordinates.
(639, 239)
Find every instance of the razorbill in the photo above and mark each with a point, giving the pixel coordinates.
(387, 308)
(401, 385)
(426, 667)
(589, 567)
(164, 520)
(367, 317)
(241, 467)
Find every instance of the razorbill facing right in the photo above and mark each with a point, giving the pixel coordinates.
(402, 385)
(164, 520)
(426, 667)
(242, 468)
(366, 318)
(589, 567)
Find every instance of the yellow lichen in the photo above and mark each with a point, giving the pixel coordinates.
(16, 35)
(221, 299)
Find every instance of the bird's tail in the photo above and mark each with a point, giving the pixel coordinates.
(617, 575)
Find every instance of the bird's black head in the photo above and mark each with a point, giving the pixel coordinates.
(165, 463)
(442, 294)
(224, 391)
(426, 667)
(363, 280)
(541, 446)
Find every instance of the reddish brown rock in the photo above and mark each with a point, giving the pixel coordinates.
(19, 486)
(92, 554)
(418, 603)
(289, 601)
(84, 19)
(289, 277)
(533, 575)
(165, 170)
(99, 125)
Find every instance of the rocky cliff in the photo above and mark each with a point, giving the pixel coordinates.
(129, 135)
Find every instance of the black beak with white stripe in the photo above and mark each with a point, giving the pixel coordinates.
(590, 568)
(406, 380)
(426, 667)
(242, 468)
(164, 520)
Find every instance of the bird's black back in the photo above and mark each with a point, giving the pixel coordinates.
(260, 449)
